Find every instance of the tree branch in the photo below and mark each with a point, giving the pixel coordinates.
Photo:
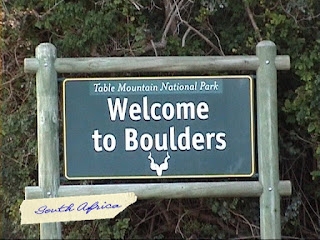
(253, 22)
(214, 47)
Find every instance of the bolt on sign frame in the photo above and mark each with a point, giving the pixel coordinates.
(269, 188)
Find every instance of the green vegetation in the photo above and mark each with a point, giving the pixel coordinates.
(169, 27)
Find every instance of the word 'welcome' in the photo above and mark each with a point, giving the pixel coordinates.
(157, 111)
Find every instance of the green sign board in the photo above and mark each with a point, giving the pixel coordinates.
(164, 127)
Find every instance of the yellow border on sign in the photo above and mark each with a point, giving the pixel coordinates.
(169, 176)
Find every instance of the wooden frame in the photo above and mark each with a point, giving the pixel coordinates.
(268, 188)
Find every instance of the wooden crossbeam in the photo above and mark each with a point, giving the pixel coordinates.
(167, 190)
(156, 64)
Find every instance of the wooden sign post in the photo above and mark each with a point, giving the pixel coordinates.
(269, 188)
(268, 159)
(47, 130)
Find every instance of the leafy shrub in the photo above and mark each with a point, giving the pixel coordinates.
(135, 28)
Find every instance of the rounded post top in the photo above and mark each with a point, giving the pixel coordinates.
(266, 43)
(46, 50)
(266, 51)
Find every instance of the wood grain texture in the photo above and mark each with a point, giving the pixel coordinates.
(267, 132)
(47, 130)
(156, 64)
(167, 190)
